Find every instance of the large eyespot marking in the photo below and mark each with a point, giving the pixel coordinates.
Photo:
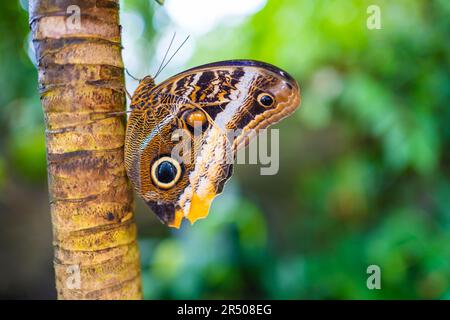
(266, 100)
(165, 172)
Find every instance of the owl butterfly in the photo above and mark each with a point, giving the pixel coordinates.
(205, 102)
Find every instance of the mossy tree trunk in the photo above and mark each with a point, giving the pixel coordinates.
(81, 78)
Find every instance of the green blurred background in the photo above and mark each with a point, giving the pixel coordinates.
(364, 169)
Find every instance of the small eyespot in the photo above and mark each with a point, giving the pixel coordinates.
(266, 100)
(195, 118)
(165, 172)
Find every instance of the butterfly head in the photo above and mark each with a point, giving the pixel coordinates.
(147, 81)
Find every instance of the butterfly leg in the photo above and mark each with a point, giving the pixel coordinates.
(128, 94)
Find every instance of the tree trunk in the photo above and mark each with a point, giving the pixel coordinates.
(81, 79)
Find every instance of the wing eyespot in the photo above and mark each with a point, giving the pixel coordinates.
(266, 100)
(165, 172)
(196, 121)
(196, 118)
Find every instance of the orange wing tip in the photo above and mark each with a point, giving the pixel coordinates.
(199, 209)
(200, 206)
(176, 223)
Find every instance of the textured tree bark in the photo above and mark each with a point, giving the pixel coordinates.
(81, 79)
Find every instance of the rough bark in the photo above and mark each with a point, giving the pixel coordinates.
(81, 78)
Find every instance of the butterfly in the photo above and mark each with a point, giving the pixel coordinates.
(203, 103)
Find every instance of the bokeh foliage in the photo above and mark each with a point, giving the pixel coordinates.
(364, 169)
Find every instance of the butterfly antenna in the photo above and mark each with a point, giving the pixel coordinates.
(165, 55)
(133, 77)
(173, 55)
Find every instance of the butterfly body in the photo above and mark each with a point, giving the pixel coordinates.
(204, 103)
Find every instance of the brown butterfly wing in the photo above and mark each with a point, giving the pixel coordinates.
(228, 95)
